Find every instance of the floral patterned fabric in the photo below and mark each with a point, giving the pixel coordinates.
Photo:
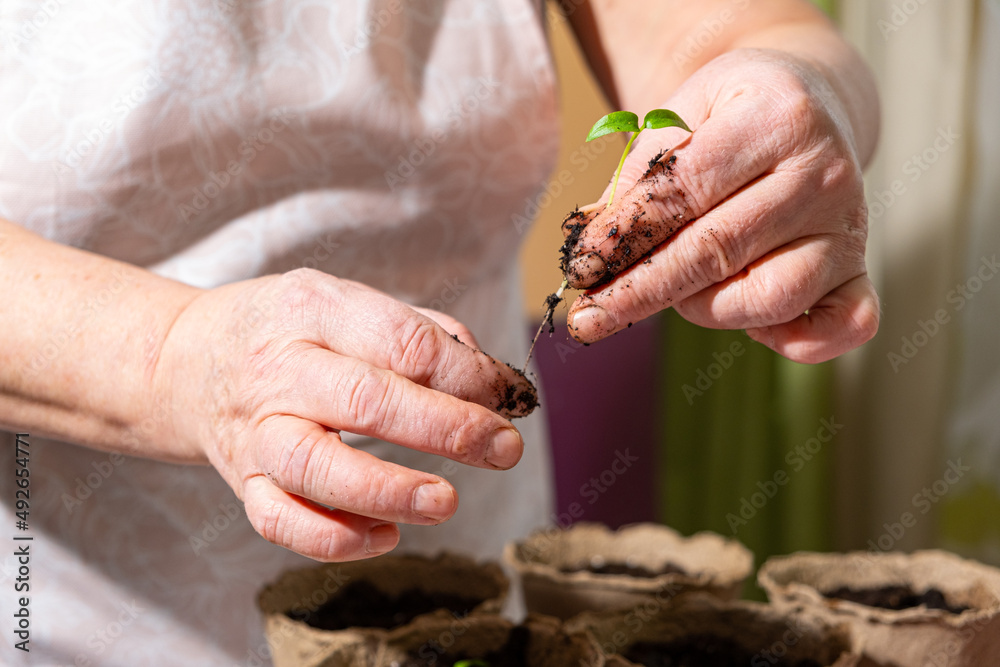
(384, 141)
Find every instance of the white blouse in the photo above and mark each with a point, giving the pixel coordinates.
(391, 142)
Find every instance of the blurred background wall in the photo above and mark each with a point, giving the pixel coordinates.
(787, 457)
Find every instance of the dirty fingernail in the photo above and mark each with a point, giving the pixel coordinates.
(592, 321)
(382, 538)
(587, 268)
(505, 448)
(434, 500)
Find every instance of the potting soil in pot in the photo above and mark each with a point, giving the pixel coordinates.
(361, 604)
(895, 598)
(702, 651)
(623, 568)
(484, 639)
(919, 609)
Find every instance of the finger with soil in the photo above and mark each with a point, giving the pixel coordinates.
(419, 349)
(347, 394)
(580, 218)
(514, 399)
(647, 215)
(675, 188)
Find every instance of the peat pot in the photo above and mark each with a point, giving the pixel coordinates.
(589, 567)
(339, 613)
(443, 641)
(926, 609)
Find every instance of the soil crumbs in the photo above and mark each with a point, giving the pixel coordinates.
(896, 598)
(569, 244)
(702, 651)
(511, 400)
(361, 604)
(551, 301)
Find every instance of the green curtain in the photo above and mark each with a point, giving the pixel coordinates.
(969, 513)
(828, 6)
(746, 449)
(746, 441)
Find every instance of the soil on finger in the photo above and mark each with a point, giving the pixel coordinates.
(510, 399)
(515, 400)
(573, 228)
(632, 230)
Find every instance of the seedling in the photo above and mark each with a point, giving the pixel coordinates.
(471, 663)
(614, 122)
(626, 121)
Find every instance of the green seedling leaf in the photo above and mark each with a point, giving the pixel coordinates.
(659, 118)
(471, 663)
(626, 121)
(616, 121)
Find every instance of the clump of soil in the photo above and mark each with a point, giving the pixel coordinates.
(896, 598)
(361, 604)
(514, 653)
(623, 568)
(702, 651)
(551, 301)
(656, 158)
(514, 400)
(634, 233)
(575, 223)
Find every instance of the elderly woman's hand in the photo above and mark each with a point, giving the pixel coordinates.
(767, 203)
(263, 374)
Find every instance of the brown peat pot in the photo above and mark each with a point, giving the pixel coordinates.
(338, 613)
(698, 629)
(926, 609)
(589, 567)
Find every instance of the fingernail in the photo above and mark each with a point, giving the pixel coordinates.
(588, 268)
(505, 448)
(382, 538)
(434, 500)
(592, 321)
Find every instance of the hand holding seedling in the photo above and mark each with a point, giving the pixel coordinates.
(755, 221)
(617, 121)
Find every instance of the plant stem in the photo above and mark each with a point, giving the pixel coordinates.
(621, 163)
(545, 320)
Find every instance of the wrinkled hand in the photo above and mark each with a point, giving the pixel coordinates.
(756, 221)
(264, 374)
